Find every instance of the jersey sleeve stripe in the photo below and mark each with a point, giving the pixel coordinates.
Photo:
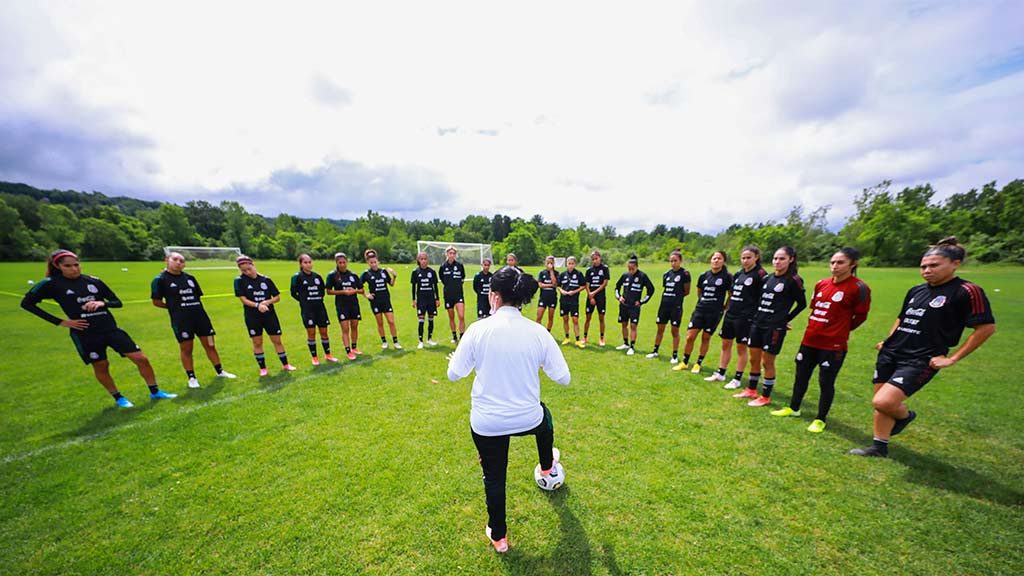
(977, 305)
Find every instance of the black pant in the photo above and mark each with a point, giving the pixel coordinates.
(493, 451)
(828, 363)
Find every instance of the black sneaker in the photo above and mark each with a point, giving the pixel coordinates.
(901, 424)
(872, 450)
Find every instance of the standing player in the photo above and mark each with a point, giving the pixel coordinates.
(931, 321)
(424, 297)
(839, 304)
(179, 292)
(453, 274)
(376, 281)
(597, 277)
(570, 284)
(258, 295)
(629, 292)
(743, 299)
(675, 284)
(713, 286)
(547, 279)
(782, 298)
(86, 301)
(482, 287)
(345, 285)
(512, 261)
(308, 289)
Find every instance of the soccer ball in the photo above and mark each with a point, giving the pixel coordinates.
(553, 481)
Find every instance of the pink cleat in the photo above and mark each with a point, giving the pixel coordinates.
(316, 361)
(760, 401)
(263, 372)
(289, 368)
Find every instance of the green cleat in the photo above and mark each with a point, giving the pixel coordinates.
(786, 411)
(818, 426)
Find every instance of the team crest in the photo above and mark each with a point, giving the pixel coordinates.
(748, 281)
(838, 296)
(678, 278)
(780, 287)
(191, 284)
(263, 285)
(92, 288)
(937, 302)
(316, 281)
(718, 282)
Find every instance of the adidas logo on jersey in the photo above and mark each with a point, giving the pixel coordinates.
(173, 285)
(825, 364)
(70, 291)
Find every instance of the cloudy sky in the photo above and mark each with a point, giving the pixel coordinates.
(699, 114)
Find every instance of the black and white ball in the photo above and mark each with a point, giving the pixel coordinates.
(553, 481)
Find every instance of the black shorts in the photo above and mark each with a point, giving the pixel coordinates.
(907, 375)
(450, 300)
(257, 323)
(629, 313)
(381, 304)
(348, 311)
(92, 346)
(825, 360)
(315, 314)
(766, 338)
(426, 306)
(547, 299)
(705, 319)
(569, 308)
(188, 325)
(736, 327)
(669, 313)
(599, 304)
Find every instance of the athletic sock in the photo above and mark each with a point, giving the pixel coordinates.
(354, 345)
(190, 373)
(752, 383)
(769, 383)
(686, 358)
(261, 359)
(881, 445)
(419, 329)
(625, 341)
(455, 335)
(655, 350)
(566, 335)
(153, 388)
(283, 357)
(326, 343)
(218, 368)
(116, 395)
(394, 339)
(348, 349)
(430, 329)
(700, 359)
(312, 347)
(721, 372)
(739, 375)
(675, 354)
(602, 335)
(577, 337)
(461, 334)
(632, 343)
(383, 340)
(585, 334)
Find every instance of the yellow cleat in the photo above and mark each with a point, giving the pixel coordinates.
(566, 341)
(695, 369)
(581, 344)
(680, 367)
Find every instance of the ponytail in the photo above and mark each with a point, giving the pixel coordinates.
(791, 252)
(853, 255)
(514, 287)
(948, 247)
(756, 252)
(301, 256)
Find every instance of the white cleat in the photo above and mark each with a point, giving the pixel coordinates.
(715, 377)
(622, 346)
(733, 384)
(383, 345)
(453, 341)
(630, 351)
(398, 346)
(674, 361)
(419, 346)
(431, 343)
(193, 383)
(652, 355)
(226, 374)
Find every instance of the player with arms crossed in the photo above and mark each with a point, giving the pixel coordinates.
(86, 301)
(424, 297)
(931, 321)
(258, 295)
(629, 292)
(675, 285)
(375, 282)
(345, 286)
(743, 299)
(597, 277)
(179, 292)
(452, 274)
(840, 304)
(712, 286)
(482, 287)
(570, 284)
(308, 290)
(547, 279)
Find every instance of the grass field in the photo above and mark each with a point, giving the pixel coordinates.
(368, 467)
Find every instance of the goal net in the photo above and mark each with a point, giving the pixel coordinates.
(206, 257)
(467, 253)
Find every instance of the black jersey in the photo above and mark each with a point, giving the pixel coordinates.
(596, 275)
(424, 283)
(256, 289)
(376, 282)
(746, 291)
(71, 295)
(547, 277)
(308, 289)
(482, 283)
(673, 286)
(452, 276)
(343, 281)
(933, 318)
(570, 281)
(782, 298)
(181, 292)
(631, 286)
(711, 290)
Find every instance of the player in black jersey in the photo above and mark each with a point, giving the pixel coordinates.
(675, 284)
(179, 292)
(345, 286)
(512, 261)
(258, 295)
(308, 288)
(425, 298)
(547, 279)
(482, 287)
(931, 321)
(743, 299)
(452, 274)
(87, 301)
(375, 285)
(597, 278)
(629, 292)
(782, 299)
(713, 287)
(570, 284)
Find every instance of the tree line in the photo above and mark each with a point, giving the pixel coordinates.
(889, 228)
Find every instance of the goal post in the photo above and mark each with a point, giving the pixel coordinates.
(206, 257)
(468, 253)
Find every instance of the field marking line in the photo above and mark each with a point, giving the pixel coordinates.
(146, 301)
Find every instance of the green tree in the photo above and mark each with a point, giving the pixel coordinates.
(173, 227)
(104, 240)
(207, 219)
(237, 230)
(523, 241)
(60, 228)
(16, 242)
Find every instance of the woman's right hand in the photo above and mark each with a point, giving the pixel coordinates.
(75, 324)
(879, 345)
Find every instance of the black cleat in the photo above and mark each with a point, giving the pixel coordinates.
(901, 424)
(872, 450)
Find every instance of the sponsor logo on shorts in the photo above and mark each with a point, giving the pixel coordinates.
(310, 322)
(825, 364)
(252, 332)
(898, 379)
(184, 334)
(799, 355)
(94, 355)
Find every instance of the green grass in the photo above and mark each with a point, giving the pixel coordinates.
(368, 467)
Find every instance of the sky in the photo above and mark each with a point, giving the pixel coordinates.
(700, 114)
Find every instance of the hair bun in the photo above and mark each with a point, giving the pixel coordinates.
(948, 241)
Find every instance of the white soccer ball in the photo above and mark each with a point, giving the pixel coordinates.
(553, 481)
(124, 269)
(31, 282)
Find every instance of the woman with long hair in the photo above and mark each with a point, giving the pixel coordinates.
(547, 279)
(258, 294)
(308, 290)
(743, 301)
(376, 281)
(712, 291)
(675, 285)
(345, 286)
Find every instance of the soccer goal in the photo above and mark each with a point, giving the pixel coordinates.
(468, 253)
(206, 257)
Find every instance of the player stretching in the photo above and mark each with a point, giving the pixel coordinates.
(712, 287)
(675, 284)
(782, 298)
(570, 284)
(258, 295)
(482, 287)
(345, 285)
(629, 290)
(453, 274)
(86, 301)
(376, 281)
(547, 279)
(597, 278)
(179, 292)
(743, 299)
(931, 321)
(308, 289)
(424, 297)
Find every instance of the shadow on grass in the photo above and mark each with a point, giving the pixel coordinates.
(200, 395)
(111, 417)
(572, 554)
(932, 472)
